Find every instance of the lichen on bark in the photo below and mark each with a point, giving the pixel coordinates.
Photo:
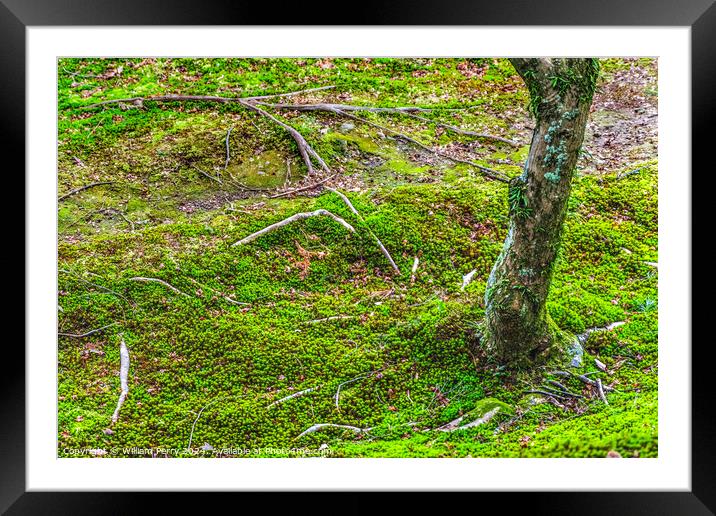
(517, 330)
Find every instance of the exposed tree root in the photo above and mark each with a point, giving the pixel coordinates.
(454, 425)
(582, 378)
(294, 218)
(304, 148)
(139, 101)
(416, 262)
(600, 389)
(307, 152)
(303, 188)
(82, 188)
(161, 282)
(337, 396)
(362, 220)
(207, 175)
(294, 395)
(488, 172)
(123, 373)
(467, 279)
(406, 111)
(221, 294)
(319, 426)
(86, 334)
(228, 153)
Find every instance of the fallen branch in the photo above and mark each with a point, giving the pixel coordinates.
(123, 372)
(317, 427)
(294, 395)
(294, 218)
(82, 188)
(161, 282)
(362, 220)
(87, 334)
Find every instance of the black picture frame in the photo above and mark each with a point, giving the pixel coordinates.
(17, 15)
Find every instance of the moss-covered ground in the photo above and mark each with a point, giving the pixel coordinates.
(312, 306)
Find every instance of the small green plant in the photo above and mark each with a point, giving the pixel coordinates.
(518, 200)
(647, 304)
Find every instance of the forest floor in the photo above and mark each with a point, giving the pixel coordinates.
(239, 350)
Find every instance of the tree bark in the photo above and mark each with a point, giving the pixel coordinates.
(518, 329)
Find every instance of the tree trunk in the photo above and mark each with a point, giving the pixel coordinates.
(518, 329)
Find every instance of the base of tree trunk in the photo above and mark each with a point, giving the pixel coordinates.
(553, 346)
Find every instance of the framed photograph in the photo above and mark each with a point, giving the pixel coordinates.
(448, 251)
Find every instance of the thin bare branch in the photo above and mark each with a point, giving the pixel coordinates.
(294, 218)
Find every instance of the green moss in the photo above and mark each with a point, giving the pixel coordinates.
(324, 306)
